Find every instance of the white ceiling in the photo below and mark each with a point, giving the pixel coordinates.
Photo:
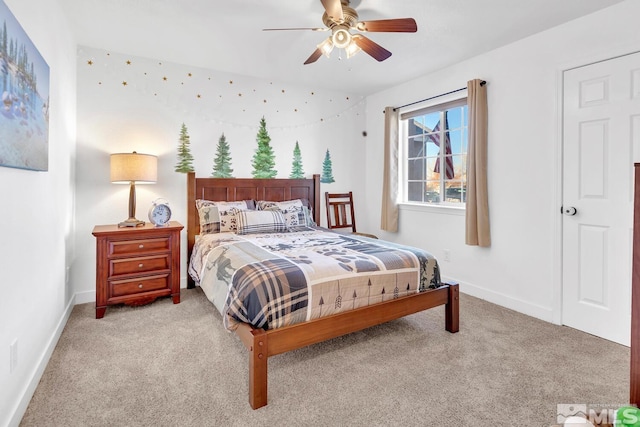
(227, 35)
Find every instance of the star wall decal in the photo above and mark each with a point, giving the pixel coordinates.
(249, 94)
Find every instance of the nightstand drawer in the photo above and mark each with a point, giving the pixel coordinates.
(138, 247)
(118, 267)
(135, 286)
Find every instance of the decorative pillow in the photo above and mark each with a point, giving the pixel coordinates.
(209, 219)
(270, 221)
(242, 204)
(294, 216)
(217, 217)
(228, 219)
(264, 204)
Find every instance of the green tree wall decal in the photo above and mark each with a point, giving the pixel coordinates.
(327, 173)
(264, 159)
(222, 162)
(296, 169)
(185, 158)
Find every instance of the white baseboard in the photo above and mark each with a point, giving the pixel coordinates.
(524, 307)
(31, 386)
(85, 297)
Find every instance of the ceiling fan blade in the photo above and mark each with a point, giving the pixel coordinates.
(314, 57)
(333, 9)
(371, 47)
(296, 29)
(401, 25)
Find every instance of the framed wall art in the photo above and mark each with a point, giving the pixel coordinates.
(24, 89)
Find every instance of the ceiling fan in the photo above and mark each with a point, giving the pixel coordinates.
(341, 19)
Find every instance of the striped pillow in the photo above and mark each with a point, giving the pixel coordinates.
(249, 222)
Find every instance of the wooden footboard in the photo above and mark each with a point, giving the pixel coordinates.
(263, 344)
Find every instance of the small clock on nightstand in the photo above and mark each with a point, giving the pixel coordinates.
(159, 213)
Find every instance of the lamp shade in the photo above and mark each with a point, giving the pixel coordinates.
(128, 167)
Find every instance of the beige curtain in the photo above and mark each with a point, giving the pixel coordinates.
(477, 211)
(389, 217)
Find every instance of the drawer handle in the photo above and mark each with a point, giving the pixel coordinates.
(140, 246)
(140, 265)
(139, 285)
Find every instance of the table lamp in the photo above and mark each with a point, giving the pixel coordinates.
(129, 168)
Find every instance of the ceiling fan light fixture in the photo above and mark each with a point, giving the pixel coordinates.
(341, 19)
(341, 38)
(326, 47)
(352, 49)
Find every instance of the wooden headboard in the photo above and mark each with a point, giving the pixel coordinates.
(234, 189)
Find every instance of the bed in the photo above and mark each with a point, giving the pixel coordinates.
(310, 320)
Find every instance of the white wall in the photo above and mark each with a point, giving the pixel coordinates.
(37, 222)
(146, 114)
(520, 269)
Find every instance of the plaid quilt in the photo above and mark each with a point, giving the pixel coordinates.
(272, 280)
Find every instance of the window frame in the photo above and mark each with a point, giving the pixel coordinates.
(439, 105)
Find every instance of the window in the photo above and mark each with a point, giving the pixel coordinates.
(434, 154)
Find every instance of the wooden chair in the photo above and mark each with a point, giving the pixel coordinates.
(341, 213)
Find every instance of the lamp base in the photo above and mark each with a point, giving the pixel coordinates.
(131, 222)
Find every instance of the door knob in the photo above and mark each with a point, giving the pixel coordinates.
(569, 211)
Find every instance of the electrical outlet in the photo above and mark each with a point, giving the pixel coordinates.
(13, 358)
(447, 255)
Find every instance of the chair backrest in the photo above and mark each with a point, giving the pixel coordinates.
(340, 212)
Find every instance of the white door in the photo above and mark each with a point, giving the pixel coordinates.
(600, 143)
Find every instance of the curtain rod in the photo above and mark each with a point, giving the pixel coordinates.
(482, 83)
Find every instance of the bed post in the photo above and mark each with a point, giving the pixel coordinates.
(452, 310)
(258, 354)
(316, 198)
(255, 341)
(191, 221)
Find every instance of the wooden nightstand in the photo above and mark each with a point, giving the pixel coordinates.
(134, 266)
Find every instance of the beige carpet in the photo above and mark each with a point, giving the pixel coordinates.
(175, 365)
